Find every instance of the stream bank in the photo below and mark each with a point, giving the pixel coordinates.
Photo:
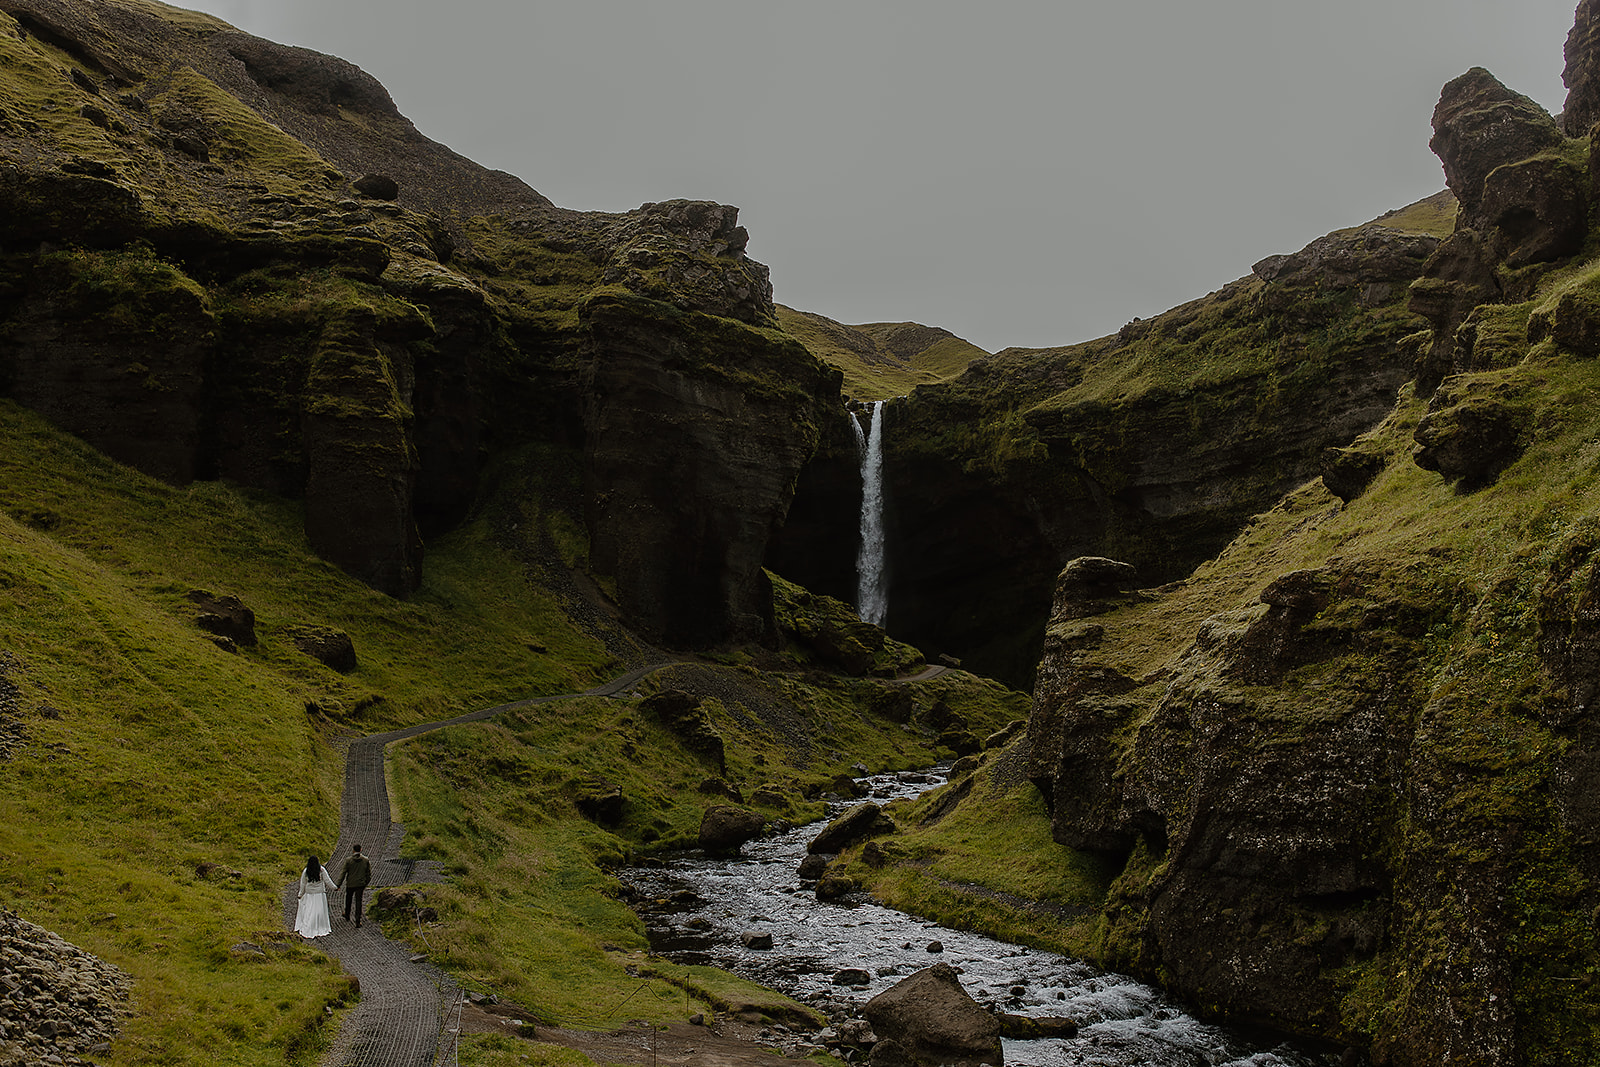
(835, 956)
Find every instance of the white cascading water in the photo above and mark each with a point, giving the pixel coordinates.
(872, 594)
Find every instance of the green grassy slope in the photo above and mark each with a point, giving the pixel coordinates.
(161, 792)
(880, 360)
(147, 752)
(1472, 592)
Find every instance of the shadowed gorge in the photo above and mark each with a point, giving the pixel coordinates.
(1273, 612)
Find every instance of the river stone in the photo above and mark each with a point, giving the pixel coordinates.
(934, 1019)
(857, 1033)
(724, 828)
(833, 886)
(860, 822)
(813, 866)
(1026, 1028)
(851, 976)
(846, 786)
(756, 939)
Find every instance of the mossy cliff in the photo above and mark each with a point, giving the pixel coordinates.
(226, 258)
(1152, 445)
(1344, 770)
(1304, 569)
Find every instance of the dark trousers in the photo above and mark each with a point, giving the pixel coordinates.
(352, 895)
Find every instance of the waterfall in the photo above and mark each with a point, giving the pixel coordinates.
(872, 594)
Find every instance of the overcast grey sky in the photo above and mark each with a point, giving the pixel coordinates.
(1020, 173)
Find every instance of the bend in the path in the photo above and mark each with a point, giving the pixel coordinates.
(397, 1021)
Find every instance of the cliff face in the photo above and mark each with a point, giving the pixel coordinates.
(1348, 764)
(1153, 445)
(227, 258)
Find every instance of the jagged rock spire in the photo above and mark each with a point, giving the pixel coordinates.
(1582, 73)
(1479, 125)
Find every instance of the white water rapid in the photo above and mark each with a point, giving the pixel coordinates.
(872, 593)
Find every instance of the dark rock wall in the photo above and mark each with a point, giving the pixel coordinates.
(818, 544)
(1582, 79)
(1343, 806)
(691, 471)
(250, 266)
(114, 349)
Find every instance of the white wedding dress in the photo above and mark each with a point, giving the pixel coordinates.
(312, 918)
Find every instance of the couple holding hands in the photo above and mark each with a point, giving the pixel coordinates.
(313, 917)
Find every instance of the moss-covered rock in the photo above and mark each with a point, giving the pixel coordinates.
(256, 304)
(1151, 446)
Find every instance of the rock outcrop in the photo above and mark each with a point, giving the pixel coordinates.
(1339, 763)
(249, 265)
(1479, 126)
(1582, 73)
(1470, 434)
(225, 617)
(1524, 198)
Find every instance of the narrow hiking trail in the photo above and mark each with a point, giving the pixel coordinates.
(404, 1001)
(398, 1020)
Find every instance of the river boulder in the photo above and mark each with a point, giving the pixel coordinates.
(724, 828)
(933, 1020)
(857, 824)
(813, 866)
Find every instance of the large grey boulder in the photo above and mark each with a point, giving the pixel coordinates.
(724, 828)
(933, 1020)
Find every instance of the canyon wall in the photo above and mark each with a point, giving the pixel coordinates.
(1346, 766)
(226, 258)
(1153, 445)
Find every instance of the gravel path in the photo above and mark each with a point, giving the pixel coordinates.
(398, 1020)
(403, 1006)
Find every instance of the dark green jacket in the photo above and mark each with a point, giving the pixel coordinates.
(356, 872)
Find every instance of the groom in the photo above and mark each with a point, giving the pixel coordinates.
(355, 874)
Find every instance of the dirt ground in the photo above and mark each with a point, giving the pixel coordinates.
(727, 1042)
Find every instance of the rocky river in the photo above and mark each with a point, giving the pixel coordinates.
(836, 956)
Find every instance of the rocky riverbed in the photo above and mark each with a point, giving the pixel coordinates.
(753, 915)
(58, 1003)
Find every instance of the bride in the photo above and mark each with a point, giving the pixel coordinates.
(312, 918)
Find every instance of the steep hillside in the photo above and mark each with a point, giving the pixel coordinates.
(226, 258)
(170, 741)
(1152, 445)
(160, 779)
(1344, 771)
